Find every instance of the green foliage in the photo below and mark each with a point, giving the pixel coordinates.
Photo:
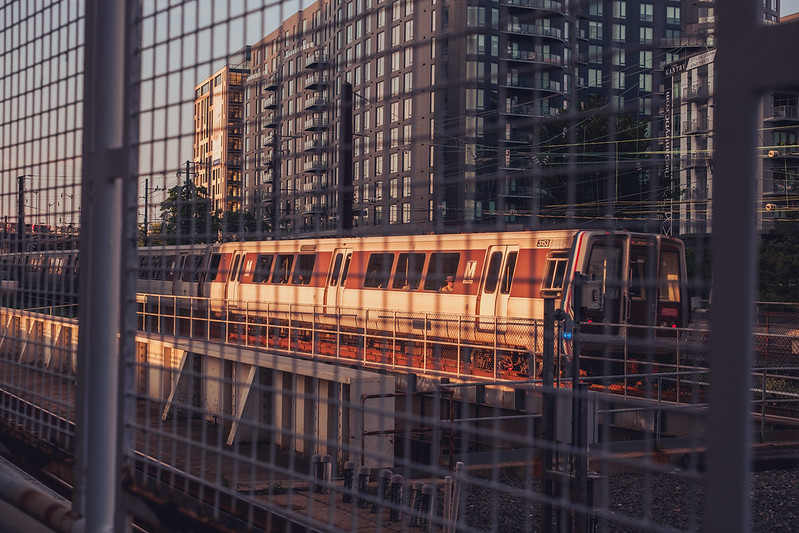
(778, 279)
(610, 171)
(188, 216)
(243, 225)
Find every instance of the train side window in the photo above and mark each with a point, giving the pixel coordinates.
(157, 263)
(213, 266)
(346, 269)
(302, 274)
(144, 267)
(507, 274)
(554, 273)
(169, 268)
(441, 266)
(192, 267)
(263, 266)
(669, 278)
(335, 271)
(282, 269)
(235, 270)
(492, 275)
(378, 270)
(408, 273)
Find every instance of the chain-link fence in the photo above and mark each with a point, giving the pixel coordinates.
(411, 265)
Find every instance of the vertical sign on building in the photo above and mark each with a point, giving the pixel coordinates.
(667, 214)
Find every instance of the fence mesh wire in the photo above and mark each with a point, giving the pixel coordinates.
(397, 265)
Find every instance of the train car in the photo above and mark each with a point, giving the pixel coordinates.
(631, 278)
(174, 270)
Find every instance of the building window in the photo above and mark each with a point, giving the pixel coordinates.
(406, 186)
(647, 12)
(620, 9)
(672, 15)
(645, 82)
(378, 215)
(393, 189)
(594, 30)
(619, 33)
(595, 53)
(406, 213)
(406, 159)
(619, 57)
(645, 104)
(618, 80)
(645, 58)
(645, 35)
(596, 8)
(392, 213)
(594, 77)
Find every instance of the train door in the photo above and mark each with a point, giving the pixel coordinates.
(337, 278)
(232, 292)
(497, 280)
(605, 291)
(641, 294)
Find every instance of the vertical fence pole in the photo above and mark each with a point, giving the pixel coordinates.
(104, 226)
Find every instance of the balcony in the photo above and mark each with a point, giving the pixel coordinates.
(312, 209)
(270, 121)
(525, 110)
(695, 160)
(517, 137)
(697, 125)
(317, 82)
(696, 93)
(271, 83)
(271, 102)
(316, 103)
(314, 186)
(316, 145)
(317, 166)
(535, 30)
(269, 140)
(784, 113)
(316, 60)
(532, 84)
(550, 5)
(315, 124)
(534, 57)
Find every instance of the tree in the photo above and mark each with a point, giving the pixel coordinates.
(612, 177)
(779, 264)
(188, 216)
(242, 225)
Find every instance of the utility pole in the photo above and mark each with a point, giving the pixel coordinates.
(21, 214)
(146, 205)
(346, 148)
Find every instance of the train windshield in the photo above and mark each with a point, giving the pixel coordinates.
(669, 278)
(603, 265)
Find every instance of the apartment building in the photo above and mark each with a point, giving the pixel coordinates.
(448, 103)
(218, 134)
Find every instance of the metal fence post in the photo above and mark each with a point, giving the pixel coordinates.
(105, 225)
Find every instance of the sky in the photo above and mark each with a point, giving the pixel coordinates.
(789, 6)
